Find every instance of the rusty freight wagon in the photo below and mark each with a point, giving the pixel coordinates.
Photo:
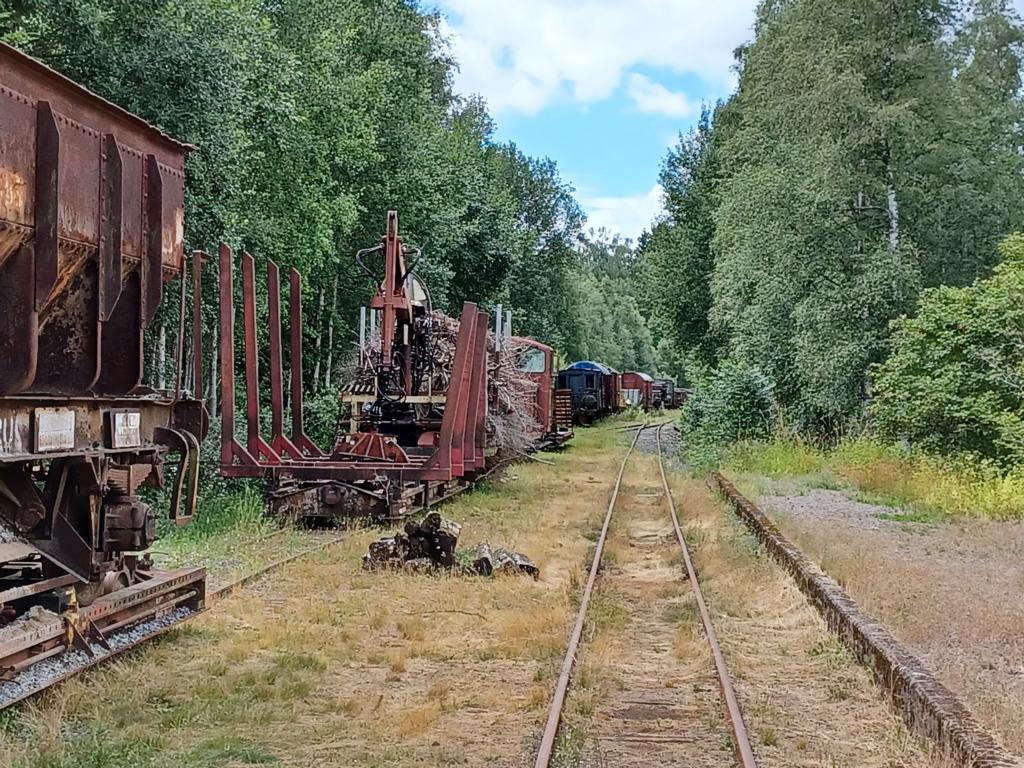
(551, 407)
(663, 393)
(638, 389)
(91, 219)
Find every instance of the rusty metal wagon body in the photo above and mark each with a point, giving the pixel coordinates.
(91, 228)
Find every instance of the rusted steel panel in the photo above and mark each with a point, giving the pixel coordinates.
(121, 342)
(19, 321)
(73, 426)
(69, 337)
(90, 195)
(82, 120)
(111, 209)
(17, 171)
(152, 257)
(46, 203)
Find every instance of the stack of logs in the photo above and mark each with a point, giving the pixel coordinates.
(511, 426)
(430, 545)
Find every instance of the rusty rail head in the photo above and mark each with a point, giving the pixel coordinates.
(547, 743)
(741, 741)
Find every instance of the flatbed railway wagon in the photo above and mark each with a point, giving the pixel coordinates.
(411, 443)
(91, 231)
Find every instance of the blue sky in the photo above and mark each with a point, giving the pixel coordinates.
(603, 87)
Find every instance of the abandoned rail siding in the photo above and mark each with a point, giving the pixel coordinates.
(928, 706)
(92, 207)
(741, 741)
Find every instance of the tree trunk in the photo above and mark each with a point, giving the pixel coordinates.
(330, 333)
(319, 335)
(892, 205)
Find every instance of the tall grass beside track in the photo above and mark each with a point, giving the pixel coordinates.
(328, 665)
(928, 485)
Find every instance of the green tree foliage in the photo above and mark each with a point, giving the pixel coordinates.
(613, 330)
(676, 257)
(872, 150)
(954, 381)
(310, 120)
(734, 403)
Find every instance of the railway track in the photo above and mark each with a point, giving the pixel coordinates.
(740, 741)
(57, 657)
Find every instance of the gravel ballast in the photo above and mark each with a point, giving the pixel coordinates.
(48, 671)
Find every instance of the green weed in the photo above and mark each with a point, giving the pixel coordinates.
(928, 487)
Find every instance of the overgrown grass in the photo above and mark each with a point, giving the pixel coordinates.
(223, 512)
(329, 664)
(928, 486)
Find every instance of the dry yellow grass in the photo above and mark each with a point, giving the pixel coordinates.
(805, 699)
(328, 665)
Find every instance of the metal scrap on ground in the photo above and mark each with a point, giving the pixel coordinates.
(430, 545)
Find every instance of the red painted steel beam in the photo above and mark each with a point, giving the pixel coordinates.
(227, 357)
(392, 299)
(476, 431)
(254, 441)
(299, 439)
(278, 442)
(274, 325)
(198, 259)
(229, 446)
(457, 402)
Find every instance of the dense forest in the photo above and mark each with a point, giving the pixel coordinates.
(837, 210)
(310, 120)
(871, 153)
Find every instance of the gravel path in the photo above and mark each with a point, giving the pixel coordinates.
(952, 591)
(46, 671)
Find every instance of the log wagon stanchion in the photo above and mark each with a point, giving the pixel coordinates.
(91, 229)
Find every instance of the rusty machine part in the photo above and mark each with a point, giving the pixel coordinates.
(741, 741)
(395, 461)
(91, 227)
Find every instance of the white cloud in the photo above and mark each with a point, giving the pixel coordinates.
(524, 55)
(628, 216)
(655, 99)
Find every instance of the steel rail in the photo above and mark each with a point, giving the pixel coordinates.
(217, 594)
(741, 741)
(225, 590)
(547, 744)
(89, 662)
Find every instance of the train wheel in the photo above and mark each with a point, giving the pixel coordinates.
(108, 582)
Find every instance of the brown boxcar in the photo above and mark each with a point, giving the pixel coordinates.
(637, 388)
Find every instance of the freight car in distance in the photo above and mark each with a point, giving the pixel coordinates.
(596, 390)
(91, 223)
